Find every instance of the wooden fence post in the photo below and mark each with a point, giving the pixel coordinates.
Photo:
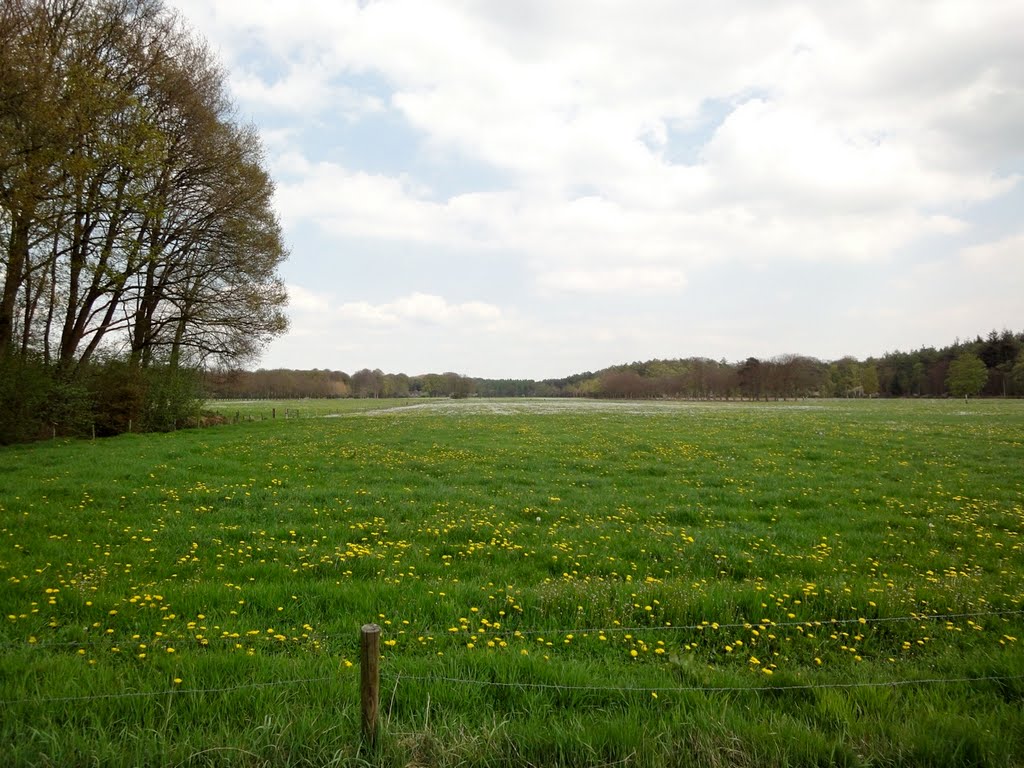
(369, 667)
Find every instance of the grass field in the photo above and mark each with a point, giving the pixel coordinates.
(559, 583)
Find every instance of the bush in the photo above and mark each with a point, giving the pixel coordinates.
(38, 400)
(156, 399)
(118, 393)
(172, 399)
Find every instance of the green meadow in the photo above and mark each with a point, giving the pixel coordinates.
(558, 583)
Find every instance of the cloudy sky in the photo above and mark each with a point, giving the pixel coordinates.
(527, 188)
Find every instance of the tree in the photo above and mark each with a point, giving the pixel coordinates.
(136, 219)
(1017, 375)
(869, 379)
(751, 375)
(967, 375)
(134, 212)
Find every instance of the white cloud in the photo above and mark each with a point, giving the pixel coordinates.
(305, 89)
(421, 309)
(621, 280)
(1004, 257)
(305, 300)
(638, 148)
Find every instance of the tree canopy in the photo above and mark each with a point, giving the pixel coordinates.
(135, 214)
(137, 237)
(922, 373)
(967, 375)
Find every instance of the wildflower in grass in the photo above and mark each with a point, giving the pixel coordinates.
(177, 681)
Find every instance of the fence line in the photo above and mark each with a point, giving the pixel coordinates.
(168, 692)
(709, 689)
(524, 685)
(503, 632)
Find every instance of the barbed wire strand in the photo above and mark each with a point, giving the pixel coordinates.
(510, 632)
(714, 689)
(525, 685)
(168, 692)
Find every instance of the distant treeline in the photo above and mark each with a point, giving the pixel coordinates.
(923, 373)
(284, 383)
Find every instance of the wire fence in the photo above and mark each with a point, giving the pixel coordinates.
(711, 688)
(765, 687)
(176, 691)
(523, 685)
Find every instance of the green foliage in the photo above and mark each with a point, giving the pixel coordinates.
(922, 373)
(172, 398)
(967, 375)
(119, 392)
(24, 392)
(815, 539)
(111, 396)
(37, 401)
(128, 398)
(122, 163)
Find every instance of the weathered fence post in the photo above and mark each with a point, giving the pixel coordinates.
(369, 667)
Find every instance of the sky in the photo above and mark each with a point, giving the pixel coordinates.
(533, 189)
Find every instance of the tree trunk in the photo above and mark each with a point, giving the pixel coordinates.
(14, 277)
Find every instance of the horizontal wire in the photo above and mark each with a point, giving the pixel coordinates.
(708, 689)
(523, 685)
(168, 692)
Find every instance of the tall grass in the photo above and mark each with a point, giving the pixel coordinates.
(660, 584)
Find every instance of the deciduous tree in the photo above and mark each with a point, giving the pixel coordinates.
(967, 375)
